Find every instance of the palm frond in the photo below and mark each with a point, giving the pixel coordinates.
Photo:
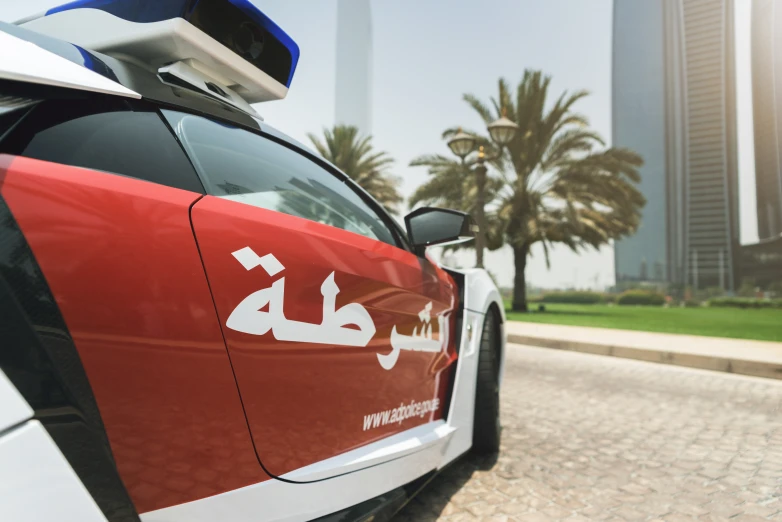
(354, 155)
(481, 108)
(556, 183)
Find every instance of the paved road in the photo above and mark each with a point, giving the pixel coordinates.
(588, 437)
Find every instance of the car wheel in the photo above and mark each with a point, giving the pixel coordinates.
(486, 426)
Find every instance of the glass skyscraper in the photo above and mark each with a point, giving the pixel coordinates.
(674, 103)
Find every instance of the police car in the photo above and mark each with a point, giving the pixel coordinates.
(200, 319)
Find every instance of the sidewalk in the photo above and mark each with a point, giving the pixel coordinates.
(758, 358)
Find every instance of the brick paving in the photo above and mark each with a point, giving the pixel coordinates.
(589, 437)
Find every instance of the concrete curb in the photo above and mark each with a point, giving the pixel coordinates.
(769, 370)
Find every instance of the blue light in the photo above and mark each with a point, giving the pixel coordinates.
(148, 11)
(139, 11)
(95, 64)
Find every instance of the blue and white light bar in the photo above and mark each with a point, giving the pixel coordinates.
(228, 41)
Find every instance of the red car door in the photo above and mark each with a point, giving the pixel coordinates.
(102, 192)
(338, 336)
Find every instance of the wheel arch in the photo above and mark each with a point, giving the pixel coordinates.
(480, 294)
(499, 326)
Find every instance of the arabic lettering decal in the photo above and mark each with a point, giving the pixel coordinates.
(419, 341)
(248, 318)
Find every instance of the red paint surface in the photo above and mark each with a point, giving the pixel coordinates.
(306, 402)
(121, 261)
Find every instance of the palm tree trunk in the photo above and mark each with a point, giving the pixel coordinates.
(520, 254)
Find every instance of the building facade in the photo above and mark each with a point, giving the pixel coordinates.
(767, 114)
(353, 103)
(761, 263)
(638, 123)
(674, 103)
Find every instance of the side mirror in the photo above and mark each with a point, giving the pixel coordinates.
(429, 226)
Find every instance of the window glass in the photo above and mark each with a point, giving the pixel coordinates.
(241, 166)
(105, 136)
(12, 110)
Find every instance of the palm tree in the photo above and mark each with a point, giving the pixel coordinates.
(353, 155)
(557, 181)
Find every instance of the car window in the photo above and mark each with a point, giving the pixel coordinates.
(242, 166)
(106, 136)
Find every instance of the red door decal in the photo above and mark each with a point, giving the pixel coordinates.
(337, 340)
(120, 258)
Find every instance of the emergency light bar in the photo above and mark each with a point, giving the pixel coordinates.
(226, 46)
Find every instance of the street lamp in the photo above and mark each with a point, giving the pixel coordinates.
(462, 144)
(502, 131)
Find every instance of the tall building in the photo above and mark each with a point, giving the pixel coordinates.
(674, 103)
(767, 114)
(639, 123)
(353, 104)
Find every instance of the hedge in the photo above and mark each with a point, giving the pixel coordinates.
(745, 302)
(572, 297)
(640, 297)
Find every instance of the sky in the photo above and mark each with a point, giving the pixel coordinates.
(426, 55)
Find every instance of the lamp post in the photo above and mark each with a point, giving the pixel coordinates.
(462, 144)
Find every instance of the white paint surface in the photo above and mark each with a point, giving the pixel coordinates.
(24, 61)
(13, 408)
(36, 482)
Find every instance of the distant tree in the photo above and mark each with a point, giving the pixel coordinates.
(353, 154)
(555, 183)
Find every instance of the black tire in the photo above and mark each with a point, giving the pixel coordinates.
(486, 427)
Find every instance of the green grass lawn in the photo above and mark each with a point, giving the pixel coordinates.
(760, 324)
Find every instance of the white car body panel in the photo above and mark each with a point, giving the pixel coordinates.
(480, 291)
(461, 411)
(278, 501)
(15, 409)
(24, 61)
(480, 294)
(420, 438)
(155, 44)
(36, 482)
